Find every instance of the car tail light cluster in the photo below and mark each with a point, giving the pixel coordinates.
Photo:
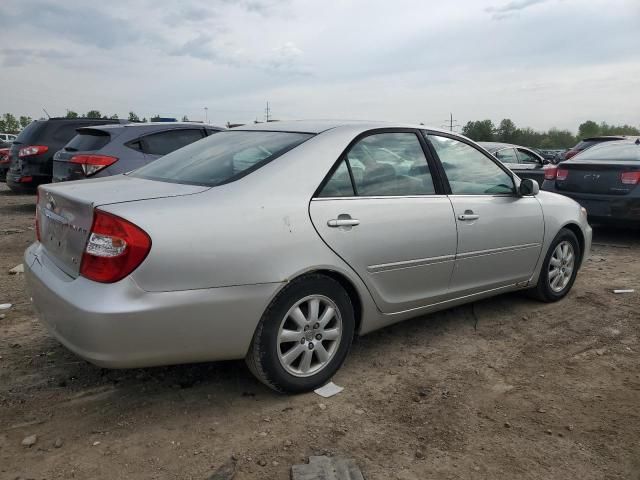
(630, 178)
(556, 173)
(32, 150)
(116, 247)
(4, 155)
(92, 164)
(562, 173)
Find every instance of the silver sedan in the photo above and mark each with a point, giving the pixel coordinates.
(278, 243)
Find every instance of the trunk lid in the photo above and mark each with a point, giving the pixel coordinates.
(596, 177)
(65, 211)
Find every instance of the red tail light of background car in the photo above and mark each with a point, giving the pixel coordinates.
(92, 164)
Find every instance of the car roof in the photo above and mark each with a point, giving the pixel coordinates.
(319, 126)
(608, 138)
(495, 146)
(150, 126)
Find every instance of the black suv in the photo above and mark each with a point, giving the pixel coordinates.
(31, 154)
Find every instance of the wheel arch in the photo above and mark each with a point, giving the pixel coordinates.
(577, 231)
(345, 282)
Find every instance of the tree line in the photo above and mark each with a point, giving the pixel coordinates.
(9, 123)
(508, 132)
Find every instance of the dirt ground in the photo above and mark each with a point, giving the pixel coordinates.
(533, 391)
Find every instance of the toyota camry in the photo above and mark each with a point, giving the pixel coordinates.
(278, 243)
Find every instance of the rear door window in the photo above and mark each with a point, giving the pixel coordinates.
(166, 142)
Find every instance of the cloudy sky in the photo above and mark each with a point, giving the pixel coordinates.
(542, 63)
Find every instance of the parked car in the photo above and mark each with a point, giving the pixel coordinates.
(7, 137)
(4, 163)
(523, 161)
(31, 153)
(604, 179)
(106, 150)
(587, 143)
(279, 242)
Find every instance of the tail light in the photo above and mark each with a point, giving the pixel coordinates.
(4, 155)
(92, 164)
(31, 150)
(550, 173)
(38, 214)
(562, 173)
(115, 248)
(630, 178)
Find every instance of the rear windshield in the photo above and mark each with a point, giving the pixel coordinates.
(88, 140)
(612, 152)
(221, 158)
(28, 131)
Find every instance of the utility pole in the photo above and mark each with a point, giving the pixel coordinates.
(206, 115)
(267, 113)
(451, 123)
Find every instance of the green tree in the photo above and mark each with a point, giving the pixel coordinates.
(144, 120)
(155, 118)
(93, 114)
(506, 131)
(71, 114)
(24, 121)
(10, 124)
(114, 116)
(588, 129)
(479, 130)
(133, 117)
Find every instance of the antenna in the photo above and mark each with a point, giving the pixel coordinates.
(451, 123)
(45, 111)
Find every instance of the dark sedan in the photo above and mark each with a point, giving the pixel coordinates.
(523, 161)
(603, 179)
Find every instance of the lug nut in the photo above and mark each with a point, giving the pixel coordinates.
(302, 340)
(310, 346)
(316, 326)
(318, 337)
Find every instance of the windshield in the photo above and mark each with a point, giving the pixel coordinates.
(611, 151)
(221, 158)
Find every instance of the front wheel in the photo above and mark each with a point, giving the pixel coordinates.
(304, 335)
(559, 269)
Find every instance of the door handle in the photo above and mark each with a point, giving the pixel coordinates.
(343, 222)
(468, 216)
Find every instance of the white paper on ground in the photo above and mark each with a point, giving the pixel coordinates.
(5, 306)
(328, 390)
(628, 290)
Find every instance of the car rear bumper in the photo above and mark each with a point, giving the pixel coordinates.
(604, 208)
(122, 326)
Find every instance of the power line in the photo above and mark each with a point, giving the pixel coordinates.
(450, 123)
(267, 113)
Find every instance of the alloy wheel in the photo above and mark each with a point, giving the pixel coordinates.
(309, 335)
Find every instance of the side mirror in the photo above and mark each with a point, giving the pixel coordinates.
(528, 187)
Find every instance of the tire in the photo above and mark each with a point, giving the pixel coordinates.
(281, 345)
(545, 290)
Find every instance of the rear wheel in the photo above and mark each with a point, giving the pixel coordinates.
(304, 335)
(559, 269)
